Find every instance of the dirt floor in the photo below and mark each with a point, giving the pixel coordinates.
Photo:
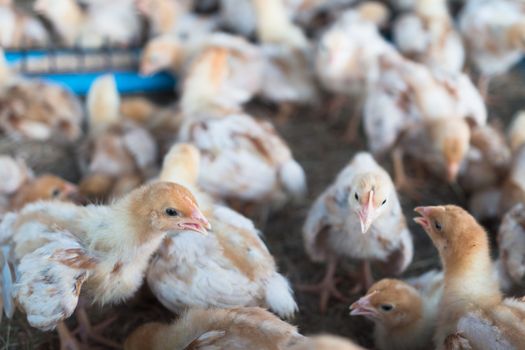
(318, 146)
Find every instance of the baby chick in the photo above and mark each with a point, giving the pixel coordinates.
(118, 153)
(19, 29)
(20, 186)
(174, 50)
(248, 152)
(37, 110)
(229, 267)
(472, 312)
(511, 240)
(61, 250)
(325, 342)
(359, 217)
(493, 32)
(427, 35)
(99, 23)
(163, 15)
(208, 329)
(287, 77)
(404, 314)
(348, 55)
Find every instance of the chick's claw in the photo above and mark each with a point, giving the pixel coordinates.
(326, 289)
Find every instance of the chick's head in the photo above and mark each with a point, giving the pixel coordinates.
(369, 197)
(43, 188)
(160, 53)
(453, 230)
(166, 207)
(390, 302)
(451, 137)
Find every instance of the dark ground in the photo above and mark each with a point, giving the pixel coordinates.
(321, 151)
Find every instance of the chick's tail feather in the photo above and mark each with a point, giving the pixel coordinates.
(293, 179)
(279, 296)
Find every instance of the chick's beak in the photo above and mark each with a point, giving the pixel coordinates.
(423, 220)
(146, 70)
(196, 222)
(366, 214)
(364, 307)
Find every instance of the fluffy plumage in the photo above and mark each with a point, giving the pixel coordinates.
(229, 267)
(20, 29)
(472, 311)
(61, 250)
(232, 329)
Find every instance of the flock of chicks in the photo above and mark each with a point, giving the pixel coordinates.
(180, 226)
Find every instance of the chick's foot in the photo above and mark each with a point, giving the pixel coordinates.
(327, 288)
(87, 331)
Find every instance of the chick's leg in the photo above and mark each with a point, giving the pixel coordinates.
(89, 332)
(326, 288)
(67, 339)
(402, 182)
(352, 128)
(286, 110)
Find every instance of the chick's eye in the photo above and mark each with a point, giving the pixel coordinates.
(437, 225)
(56, 192)
(356, 196)
(387, 307)
(383, 202)
(172, 212)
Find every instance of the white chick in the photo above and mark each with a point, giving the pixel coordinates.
(229, 267)
(37, 110)
(347, 58)
(118, 154)
(404, 313)
(408, 92)
(101, 23)
(358, 217)
(19, 29)
(287, 77)
(511, 241)
(61, 251)
(493, 31)
(213, 329)
(163, 15)
(472, 312)
(427, 35)
(248, 152)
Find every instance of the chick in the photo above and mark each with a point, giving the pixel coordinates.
(100, 23)
(472, 312)
(174, 50)
(19, 29)
(427, 35)
(236, 268)
(511, 244)
(287, 77)
(348, 55)
(61, 250)
(37, 110)
(358, 217)
(325, 342)
(493, 32)
(409, 93)
(248, 152)
(404, 314)
(163, 15)
(487, 161)
(516, 131)
(118, 154)
(208, 329)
